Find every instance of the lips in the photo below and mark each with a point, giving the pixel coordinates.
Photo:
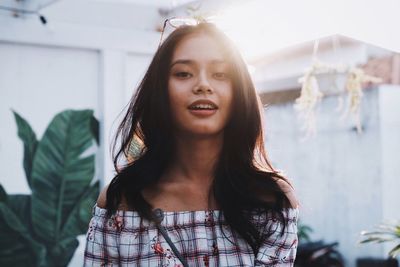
(203, 108)
(203, 104)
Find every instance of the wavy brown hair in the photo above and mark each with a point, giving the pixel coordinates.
(244, 179)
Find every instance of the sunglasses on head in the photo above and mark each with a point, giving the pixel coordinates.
(176, 22)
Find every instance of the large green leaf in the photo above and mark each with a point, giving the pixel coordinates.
(21, 206)
(17, 247)
(95, 127)
(14, 249)
(3, 194)
(12, 242)
(61, 254)
(78, 220)
(28, 137)
(59, 174)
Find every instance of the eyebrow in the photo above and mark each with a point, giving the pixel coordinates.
(192, 62)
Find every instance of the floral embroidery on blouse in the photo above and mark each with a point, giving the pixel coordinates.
(90, 233)
(116, 222)
(167, 254)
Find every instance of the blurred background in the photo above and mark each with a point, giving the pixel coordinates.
(328, 73)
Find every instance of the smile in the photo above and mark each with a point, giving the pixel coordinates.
(203, 112)
(203, 108)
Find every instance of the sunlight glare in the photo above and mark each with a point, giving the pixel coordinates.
(262, 27)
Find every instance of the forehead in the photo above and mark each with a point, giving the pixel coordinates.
(199, 47)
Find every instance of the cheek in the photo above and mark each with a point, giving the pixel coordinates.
(227, 98)
(228, 103)
(176, 99)
(173, 93)
(177, 102)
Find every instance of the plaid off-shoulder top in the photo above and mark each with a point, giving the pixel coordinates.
(126, 239)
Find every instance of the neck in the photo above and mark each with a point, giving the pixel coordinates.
(195, 159)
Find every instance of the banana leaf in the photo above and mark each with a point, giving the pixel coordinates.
(60, 175)
(76, 224)
(94, 126)
(20, 205)
(62, 253)
(40, 229)
(28, 137)
(13, 244)
(17, 240)
(78, 219)
(3, 194)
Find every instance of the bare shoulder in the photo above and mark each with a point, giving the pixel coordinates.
(267, 195)
(102, 199)
(288, 189)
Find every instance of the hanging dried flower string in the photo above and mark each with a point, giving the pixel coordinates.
(355, 79)
(306, 103)
(309, 97)
(311, 94)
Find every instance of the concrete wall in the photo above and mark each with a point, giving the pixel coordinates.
(346, 182)
(389, 102)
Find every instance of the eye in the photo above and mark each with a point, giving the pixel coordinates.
(221, 75)
(183, 74)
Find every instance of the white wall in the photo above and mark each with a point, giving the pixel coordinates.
(123, 71)
(389, 103)
(346, 182)
(136, 67)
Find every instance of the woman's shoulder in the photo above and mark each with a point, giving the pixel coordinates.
(102, 200)
(288, 189)
(267, 195)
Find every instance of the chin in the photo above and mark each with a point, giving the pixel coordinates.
(210, 132)
(202, 132)
(210, 128)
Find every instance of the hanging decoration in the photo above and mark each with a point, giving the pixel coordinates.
(355, 79)
(312, 91)
(307, 102)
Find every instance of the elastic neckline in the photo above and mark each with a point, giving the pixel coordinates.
(101, 211)
(132, 219)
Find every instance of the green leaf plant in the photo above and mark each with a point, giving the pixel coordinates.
(304, 232)
(41, 229)
(385, 232)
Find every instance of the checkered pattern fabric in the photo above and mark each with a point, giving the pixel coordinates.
(126, 239)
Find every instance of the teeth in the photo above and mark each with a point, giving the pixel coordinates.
(203, 106)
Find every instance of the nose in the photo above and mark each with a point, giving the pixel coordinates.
(203, 86)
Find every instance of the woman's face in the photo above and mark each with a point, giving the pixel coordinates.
(200, 87)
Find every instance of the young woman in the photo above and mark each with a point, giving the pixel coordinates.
(201, 191)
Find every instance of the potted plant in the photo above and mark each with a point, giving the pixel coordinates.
(40, 229)
(303, 233)
(316, 253)
(385, 232)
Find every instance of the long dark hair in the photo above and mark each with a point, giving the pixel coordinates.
(243, 176)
